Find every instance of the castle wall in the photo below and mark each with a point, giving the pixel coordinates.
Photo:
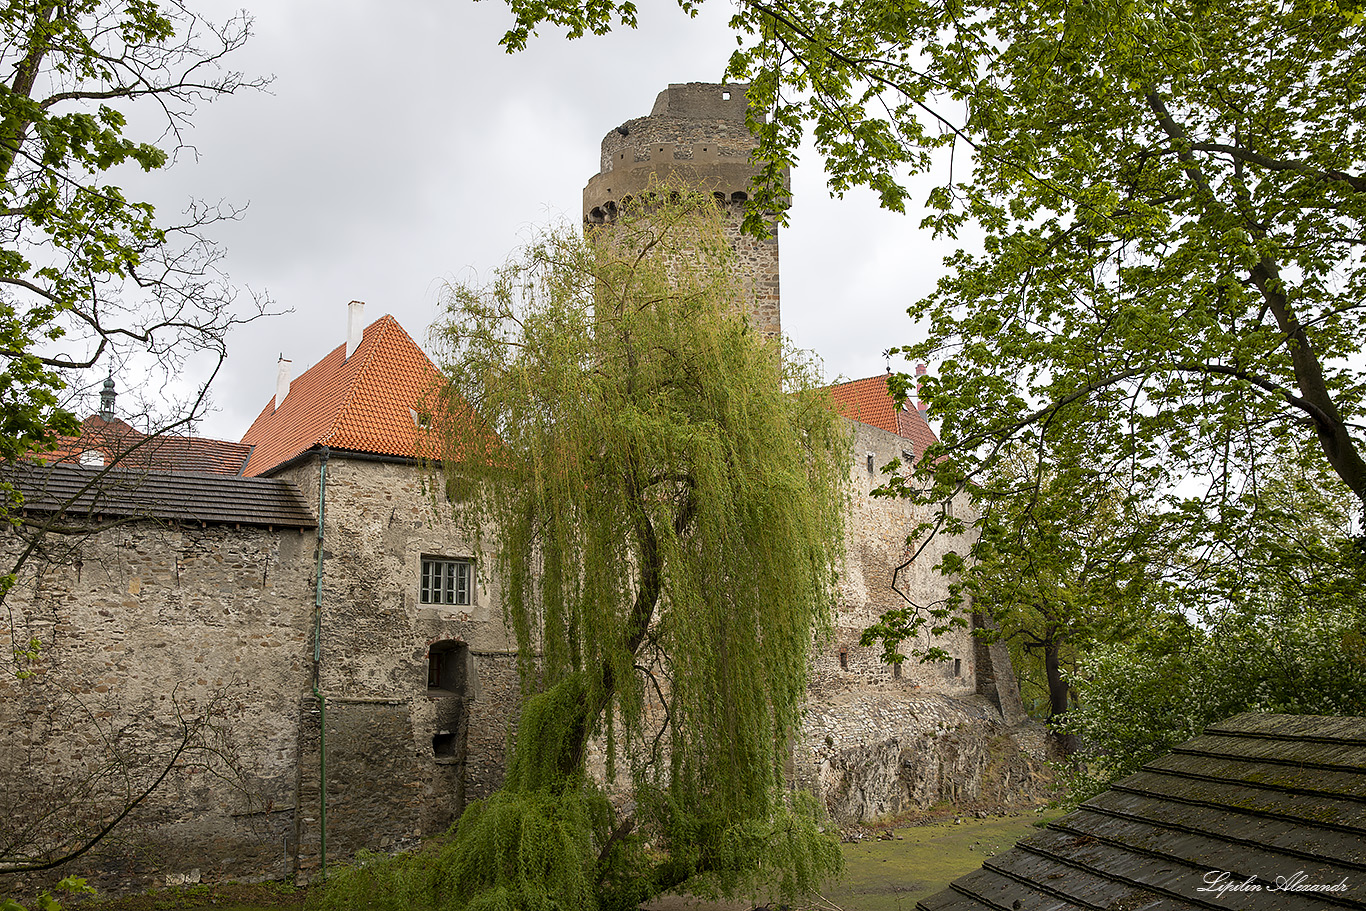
(144, 621)
(878, 740)
(144, 628)
(875, 544)
(402, 760)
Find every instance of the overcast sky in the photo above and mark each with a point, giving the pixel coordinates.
(399, 148)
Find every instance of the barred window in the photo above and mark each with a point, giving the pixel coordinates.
(447, 581)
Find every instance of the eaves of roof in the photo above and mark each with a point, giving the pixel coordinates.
(1256, 802)
(86, 493)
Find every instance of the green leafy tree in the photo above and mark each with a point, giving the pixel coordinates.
(90, 279)
(1171, 197)
(1293, 640)
(1060, 567)
(1064, 558)
(664, 490)
(1139, 700)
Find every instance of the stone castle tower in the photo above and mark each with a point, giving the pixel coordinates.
(696, 133)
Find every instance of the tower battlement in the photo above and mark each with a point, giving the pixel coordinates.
(695, 134)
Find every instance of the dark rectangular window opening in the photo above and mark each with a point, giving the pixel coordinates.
(447, 581)
(896, 670)
(844, 659)
(443, 746)
(446, 667)
(957, 667)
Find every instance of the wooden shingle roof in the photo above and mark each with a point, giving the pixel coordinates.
(1260, 813)
(81, 492)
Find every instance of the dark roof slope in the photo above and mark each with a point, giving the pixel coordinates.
(1267, 805)
(186, 497)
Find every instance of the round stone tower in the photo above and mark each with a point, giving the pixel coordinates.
(696, 133)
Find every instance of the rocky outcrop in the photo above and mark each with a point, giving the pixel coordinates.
(873, 758)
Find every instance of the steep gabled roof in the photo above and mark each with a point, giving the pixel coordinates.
(364, 403)
(868, 401)
(117, 441)
(1269, 805)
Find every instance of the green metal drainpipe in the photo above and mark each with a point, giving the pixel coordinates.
(317, 663)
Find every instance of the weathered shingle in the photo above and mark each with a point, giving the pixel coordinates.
(1272, 804)
(85, 493)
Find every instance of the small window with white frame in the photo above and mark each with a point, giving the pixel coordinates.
(447, 580)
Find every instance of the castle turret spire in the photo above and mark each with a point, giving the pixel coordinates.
(107, 398)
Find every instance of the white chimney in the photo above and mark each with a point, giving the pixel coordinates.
(355, 326)
(281, 381)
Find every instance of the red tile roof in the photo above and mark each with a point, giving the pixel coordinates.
(117, 441)
(868, 401)
(363, 403)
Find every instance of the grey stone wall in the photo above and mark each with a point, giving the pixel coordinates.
(879, 742)
(876, 543)
(695, 135)
(880, 758)
(395, 781)
(143, 627)
(141, 622)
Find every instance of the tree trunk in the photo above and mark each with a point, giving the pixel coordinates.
(14, 126)
(1058, 693)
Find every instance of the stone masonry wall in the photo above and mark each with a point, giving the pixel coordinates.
(142, 627)
(878, 742)
(875, 544)
(874, 758)
(139, 622)
(696, 135)
(391, 782)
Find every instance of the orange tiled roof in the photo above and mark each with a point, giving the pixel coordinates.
(364, 403)
(118, 441)
(869, 402)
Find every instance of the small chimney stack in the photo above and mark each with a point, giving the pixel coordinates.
(281, 382)
(355, 326)
(920, 370)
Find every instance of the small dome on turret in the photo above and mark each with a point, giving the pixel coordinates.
(107, 398)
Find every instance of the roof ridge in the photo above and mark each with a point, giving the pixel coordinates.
(383, 325)
(863, 379)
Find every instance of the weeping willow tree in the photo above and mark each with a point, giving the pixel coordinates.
(663, 489)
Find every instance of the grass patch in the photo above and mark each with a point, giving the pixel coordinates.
(887, 873)
(907, 863)
(918, 861)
